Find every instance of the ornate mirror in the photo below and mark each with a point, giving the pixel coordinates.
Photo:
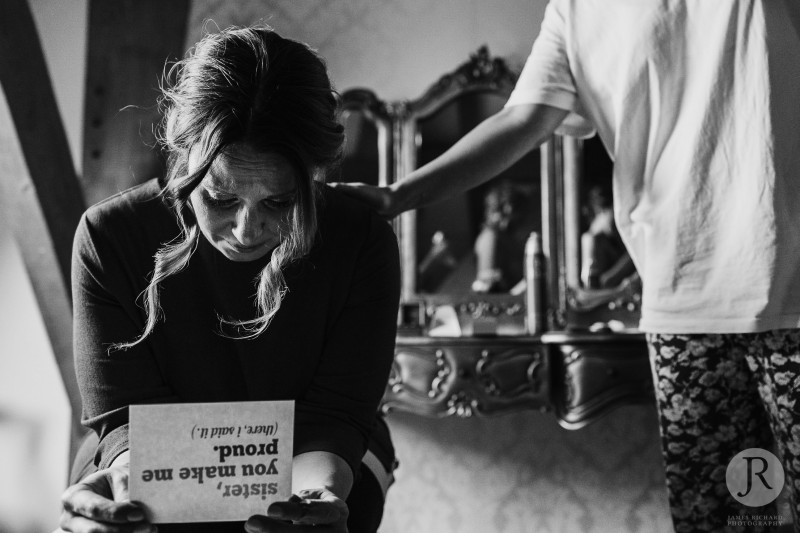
(598, 287)
(468, 250)
(368, 145)
(463, 347)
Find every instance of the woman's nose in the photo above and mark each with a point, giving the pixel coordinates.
(248, 226)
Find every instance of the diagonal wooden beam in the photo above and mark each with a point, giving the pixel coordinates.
(41, 198)
(26, 84)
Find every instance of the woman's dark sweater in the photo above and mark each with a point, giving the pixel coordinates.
(329, 347)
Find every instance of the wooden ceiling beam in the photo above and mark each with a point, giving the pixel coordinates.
(40, 196)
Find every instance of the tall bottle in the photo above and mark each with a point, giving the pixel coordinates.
(535, 313)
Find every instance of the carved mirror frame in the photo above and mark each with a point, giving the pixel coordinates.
(379, 114)
(561, 175)
(481, 74)
(573, 372)
(614, 309)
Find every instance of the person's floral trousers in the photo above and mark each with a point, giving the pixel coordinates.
(719, 395)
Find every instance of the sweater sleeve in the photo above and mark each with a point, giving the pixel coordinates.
(338, 411)
(105, 288)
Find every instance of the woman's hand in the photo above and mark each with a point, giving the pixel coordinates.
(100, 504)
(314, 511)
(380, 199)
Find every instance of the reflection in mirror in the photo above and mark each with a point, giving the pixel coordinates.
(603, 286)
(367, 149)
(474, 242)
(360, 161)
(604, 261)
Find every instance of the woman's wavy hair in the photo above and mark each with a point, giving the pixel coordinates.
(246, 86)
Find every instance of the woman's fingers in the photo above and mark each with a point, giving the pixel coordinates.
(306, 512)
(316, 510)
(264, 524)
(102, 497)
(80, 524)
(82, 500)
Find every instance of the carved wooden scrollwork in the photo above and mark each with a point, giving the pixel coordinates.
(577, 376)
(420, 374)
(481, 73)
(596, 373)
(513, 373)
(465, 377)
(366, 101)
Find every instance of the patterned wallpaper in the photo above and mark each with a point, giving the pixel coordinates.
(394, 47)
(516, 473)
(523, 473)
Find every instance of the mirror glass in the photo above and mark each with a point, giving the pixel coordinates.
(474, 242)
(604, 289)
(361, 161)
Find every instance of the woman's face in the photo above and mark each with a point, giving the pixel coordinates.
(242, 204)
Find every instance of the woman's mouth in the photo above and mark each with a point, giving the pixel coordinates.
(245, 249)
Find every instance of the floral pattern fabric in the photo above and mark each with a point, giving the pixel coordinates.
(718, 395)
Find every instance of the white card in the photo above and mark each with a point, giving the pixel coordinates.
(210, 462)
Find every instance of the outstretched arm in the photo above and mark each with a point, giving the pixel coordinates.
(348, 382)
(493, 146)
(320, 484)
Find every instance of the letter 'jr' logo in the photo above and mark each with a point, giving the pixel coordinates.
(755, 477)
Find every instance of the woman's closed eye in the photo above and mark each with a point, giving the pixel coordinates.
(229, 202)
(219, 203)
(280, 203)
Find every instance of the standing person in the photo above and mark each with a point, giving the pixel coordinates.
(271, 286)
(697, 103)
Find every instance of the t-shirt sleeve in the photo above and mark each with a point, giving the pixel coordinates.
(547, 77)
(337, 413)
(104, 312)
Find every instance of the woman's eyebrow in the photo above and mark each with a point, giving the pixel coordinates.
(216, 190)
(278, 196)
(283, 194)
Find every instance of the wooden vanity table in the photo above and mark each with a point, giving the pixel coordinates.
(466, 376)
(578, 377)
(590, 358)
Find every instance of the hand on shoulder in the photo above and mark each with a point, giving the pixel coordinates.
(380, 199)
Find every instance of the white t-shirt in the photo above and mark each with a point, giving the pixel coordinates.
(698, 102)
